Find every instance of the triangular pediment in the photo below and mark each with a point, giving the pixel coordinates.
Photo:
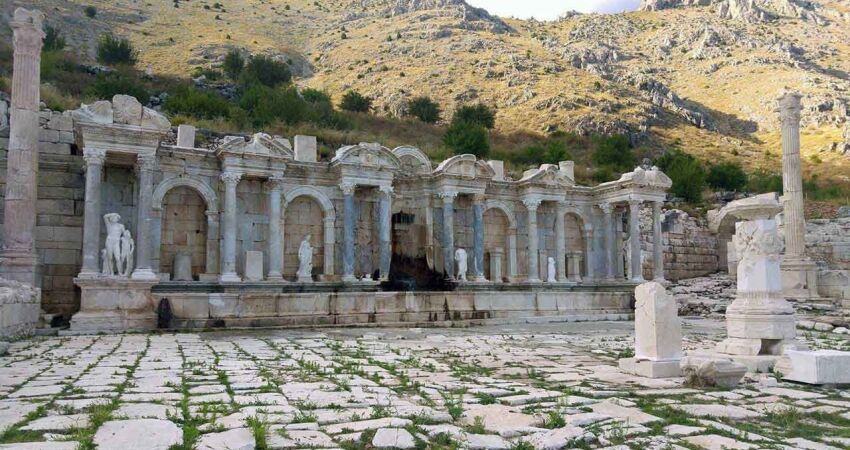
(258, 144)
(465, 166)
(366, 155)
(547, 175)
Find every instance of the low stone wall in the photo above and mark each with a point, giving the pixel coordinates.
(690, 248)
(20, 306)
(251, 309)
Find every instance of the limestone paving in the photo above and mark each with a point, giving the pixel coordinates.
(542, 386)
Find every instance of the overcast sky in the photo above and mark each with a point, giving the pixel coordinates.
(551, 9)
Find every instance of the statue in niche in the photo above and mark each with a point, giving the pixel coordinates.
(550, 269)
(627, 257)
(461, 262)
(112, 250)
(128, 246)
(305, 260)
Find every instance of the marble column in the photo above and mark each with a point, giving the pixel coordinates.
(531, 206)
(92, 217)
(145, 165)
(608, 234)
(448, 198)
(478, 238)
(213, 234)
(657, 243)
(384, 232)
(348, 222)
(561, 243)
(275, 187)
(512, 258)
(636, 268)
(228, 266)
(19, 259)
(588, 251)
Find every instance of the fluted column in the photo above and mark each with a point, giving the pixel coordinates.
(608, 234)
(531, 206)
(792, 180)
(657, 244)
(588, 250)
(478, 237)
(275, 187)
(145, 165)
(228, 266)
(94, 159)
(213, 246)
(348, 230)
(561, 243)
(384, 232)
(634, 241)
(448, 198)
(19, 257)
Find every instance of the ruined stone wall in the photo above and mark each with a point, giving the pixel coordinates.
(690, 248)
(19, 309)
(59, 222)
(828, 243)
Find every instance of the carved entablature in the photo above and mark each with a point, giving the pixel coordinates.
(465, 167)
(123, 128)
(653, 178)
(412, 161)
(548, 175)
(122, 110)
(261, 144)
(639, 185)
(366, 155)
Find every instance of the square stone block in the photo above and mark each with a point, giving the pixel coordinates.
(254, 266)
(816, 367)
(651, 369)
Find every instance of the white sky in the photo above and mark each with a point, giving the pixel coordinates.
(551, 9)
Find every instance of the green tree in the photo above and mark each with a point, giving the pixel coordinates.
(265, 104)
(613, 152)
(356, 102)
(106, 86)
(464, 137)
(90, 11)
(424, 109)
(267, 71)
(197, 103)
(479, 114)
(233, 64)
(687, 174)
(728, 176)
(316, 96)
(113, 50)
(53, 40)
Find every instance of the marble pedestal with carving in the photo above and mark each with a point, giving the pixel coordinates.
(114, 304)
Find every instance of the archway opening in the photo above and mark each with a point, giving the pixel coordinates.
(496, 225)
(184, 230)
(304, 216)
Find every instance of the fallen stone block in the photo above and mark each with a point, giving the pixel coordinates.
(815, 367)
(708, 372)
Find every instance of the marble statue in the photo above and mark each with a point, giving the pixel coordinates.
(461, 262)
(627, 257)
(550, 270)
(112, 251)
(128, 246)
(305, 261)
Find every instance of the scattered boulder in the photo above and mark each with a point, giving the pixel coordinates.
(712, 372)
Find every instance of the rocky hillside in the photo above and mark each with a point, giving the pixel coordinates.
(700, 74)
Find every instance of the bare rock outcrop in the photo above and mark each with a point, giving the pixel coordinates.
(472, 17)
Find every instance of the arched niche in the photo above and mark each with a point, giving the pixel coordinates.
(499, 235)
(308, 210)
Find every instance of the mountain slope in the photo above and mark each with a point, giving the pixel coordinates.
(700, 74)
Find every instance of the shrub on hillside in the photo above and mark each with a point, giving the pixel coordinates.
(90, 11)
(113, 50)
(198, 103)
(424, 109)
(264, 104)
(355, 102)
(550, 151)
(316, 96)
(613, 152)
(463, 138)
(762, 182)
(106, 86)
(687, 174)
(728, 176)
(233, 64)
(53, 40)
(266, 71)
(479, 114)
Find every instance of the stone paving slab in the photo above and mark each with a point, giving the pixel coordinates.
(546, 387)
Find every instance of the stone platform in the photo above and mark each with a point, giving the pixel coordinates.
(291, 304)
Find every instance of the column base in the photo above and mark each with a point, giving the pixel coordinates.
(305, 279)
(349, 278)
(274, 276)
(651, 369)
(114, 304)
(231, 277)
(799, 279)
(480, 279)
(144, 274)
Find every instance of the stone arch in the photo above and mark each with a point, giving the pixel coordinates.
(206, 192)
(413, 160)
(328, 222)
(577, 243)
(509, 261)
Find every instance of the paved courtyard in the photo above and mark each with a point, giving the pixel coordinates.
(520, 386)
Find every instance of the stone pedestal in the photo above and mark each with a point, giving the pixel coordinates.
(658, 334)
(496, 265)
(253, 266)
(575, 267)
(760, 323)
(818, 367)
(182, 267)
(114, 304)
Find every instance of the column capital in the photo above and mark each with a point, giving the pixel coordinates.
(94, 156)
(789, 107)
(606, 207)
(275, 183)
(28, 31)
(448, 196)
(347, 187)
(634, 203)
(211, 214)
(231, 178)
(387, 190)
(531, 204)
(145, 161)
(479, 199)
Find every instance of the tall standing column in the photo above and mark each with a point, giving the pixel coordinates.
(792, 179)
(275, 186)
(91, 214)
(634, 240)
(588, 251)
(561, 243)
(228, 269)
(19, 258)
(657, 244)
(478, 237)
(448, 198)
(144, 166)
(348, 231)
(608, 234)
(384, 232)
(533, 268)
